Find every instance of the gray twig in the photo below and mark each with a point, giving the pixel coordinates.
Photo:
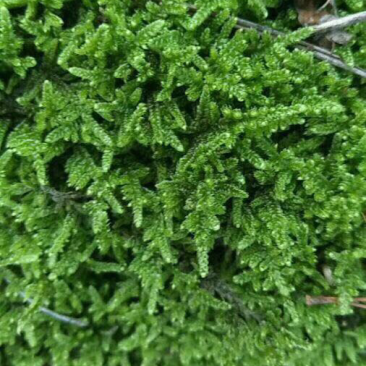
(53, 314)
(242, 23)
(341, 22)
(319, 52)
(332, 3)
(338, 63)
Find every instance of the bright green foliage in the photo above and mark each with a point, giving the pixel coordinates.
(11, 46)
(177, 186)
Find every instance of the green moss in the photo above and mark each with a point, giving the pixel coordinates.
(173, 187)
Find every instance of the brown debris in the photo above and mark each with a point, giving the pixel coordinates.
(310, 13)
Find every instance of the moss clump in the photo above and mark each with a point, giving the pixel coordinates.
(177, 187)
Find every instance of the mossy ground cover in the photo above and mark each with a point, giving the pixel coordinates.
(177, 186)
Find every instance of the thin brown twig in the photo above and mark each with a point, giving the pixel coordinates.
(360, 299)
(323, 300)
(320, 300)
(319, 52)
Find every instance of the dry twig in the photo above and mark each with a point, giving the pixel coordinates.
(333, 5)
(319, 52)
(341, 22)
(53, 314)
(358, 302)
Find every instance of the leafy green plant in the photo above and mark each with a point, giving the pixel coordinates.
(172, 187)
